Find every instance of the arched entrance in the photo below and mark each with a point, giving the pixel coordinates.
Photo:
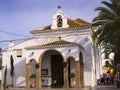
(52, 68)
(71, 70)
(33, 71)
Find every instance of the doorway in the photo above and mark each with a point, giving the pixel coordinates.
(57, 69)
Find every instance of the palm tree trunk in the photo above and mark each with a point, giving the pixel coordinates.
(117, 58)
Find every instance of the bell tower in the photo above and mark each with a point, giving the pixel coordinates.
(59, 20)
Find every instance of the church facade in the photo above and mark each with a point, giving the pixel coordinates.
(53, 53)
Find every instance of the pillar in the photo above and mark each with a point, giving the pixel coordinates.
(27, 75)
(82, 74)
(65, 74)
(77, 73)
(38, 76)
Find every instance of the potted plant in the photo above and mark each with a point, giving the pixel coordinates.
(54, 83)
(33, 76)
(71, 76)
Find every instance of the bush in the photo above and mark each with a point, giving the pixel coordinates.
(71, 75)
(33, 76)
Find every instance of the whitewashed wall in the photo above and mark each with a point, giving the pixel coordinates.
(81, 37)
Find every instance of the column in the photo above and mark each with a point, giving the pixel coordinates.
(77, 73)
(65, 66)
(38, 76)
(82, 74)
(27, 75)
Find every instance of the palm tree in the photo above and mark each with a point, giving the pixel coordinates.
(108, 32)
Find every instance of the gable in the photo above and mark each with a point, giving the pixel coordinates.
(77, 23)
(59, 43)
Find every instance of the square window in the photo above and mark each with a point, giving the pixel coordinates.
(19, 52)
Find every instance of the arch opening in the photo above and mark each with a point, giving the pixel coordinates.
(52, 69)
(32, 71)
(59, 21)
(71, 70)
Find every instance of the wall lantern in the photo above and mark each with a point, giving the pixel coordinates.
(37, 65)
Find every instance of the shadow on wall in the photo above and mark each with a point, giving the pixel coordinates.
(20, 72)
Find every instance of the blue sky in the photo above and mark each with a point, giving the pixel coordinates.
(22, 16)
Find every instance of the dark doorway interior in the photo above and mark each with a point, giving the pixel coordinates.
(57, 69)
(69, 79)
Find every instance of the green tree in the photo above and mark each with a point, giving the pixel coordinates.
(12, 68)
(108, 32)
(5, 79)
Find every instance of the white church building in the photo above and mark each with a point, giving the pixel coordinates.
(53, 53)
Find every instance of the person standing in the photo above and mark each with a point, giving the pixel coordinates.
(107, 77)
(118, 79)
(112, 79)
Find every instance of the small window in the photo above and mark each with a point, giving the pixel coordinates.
(19, 52)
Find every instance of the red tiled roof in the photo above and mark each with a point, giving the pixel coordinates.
(77, 23)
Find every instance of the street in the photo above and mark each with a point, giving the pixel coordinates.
(99, 87)
(105, 87)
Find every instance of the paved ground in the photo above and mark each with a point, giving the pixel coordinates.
(105, 87)
(53, 89)
(99, 87)
(87, 88)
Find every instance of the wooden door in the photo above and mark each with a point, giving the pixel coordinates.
(57, 69)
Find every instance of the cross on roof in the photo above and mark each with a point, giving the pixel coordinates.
(59, 7)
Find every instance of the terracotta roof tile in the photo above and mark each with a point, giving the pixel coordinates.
(82, 22)
(77, 23)
(59, 43)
